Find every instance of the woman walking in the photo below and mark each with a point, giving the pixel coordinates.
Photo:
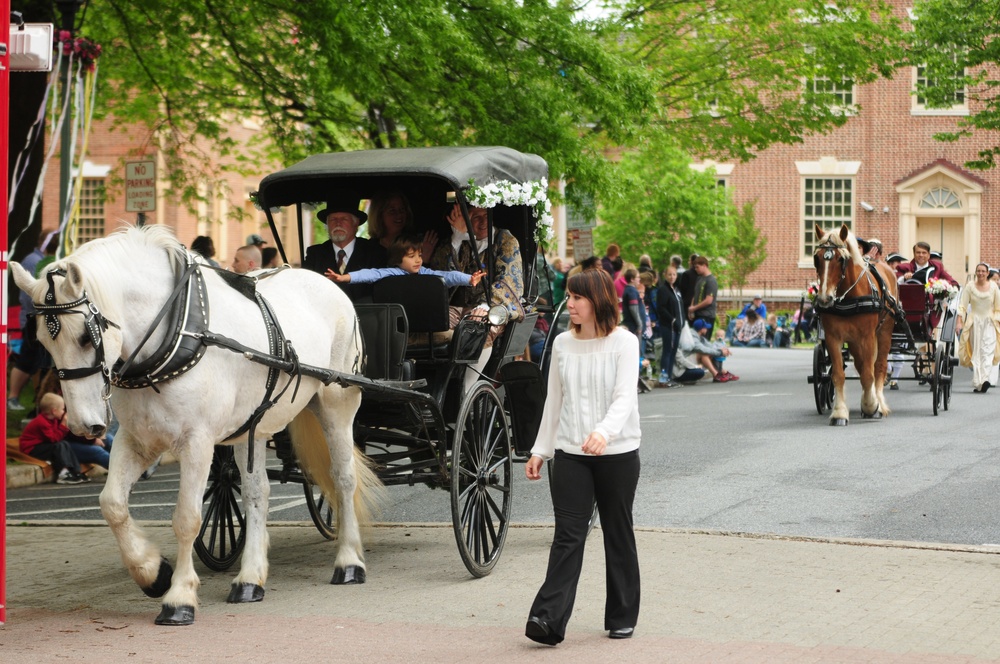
(979, 321)
(590, 425)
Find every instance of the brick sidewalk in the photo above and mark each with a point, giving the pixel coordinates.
(706, 598)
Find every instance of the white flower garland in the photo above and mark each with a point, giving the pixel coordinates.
(533, 194)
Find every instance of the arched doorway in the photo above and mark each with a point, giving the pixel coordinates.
(941, 205)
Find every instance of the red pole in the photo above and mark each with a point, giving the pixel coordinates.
(4, 122)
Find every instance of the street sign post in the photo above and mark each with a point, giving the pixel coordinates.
(140, 186)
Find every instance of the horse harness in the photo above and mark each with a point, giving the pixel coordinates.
(185, 343)
(880, 301)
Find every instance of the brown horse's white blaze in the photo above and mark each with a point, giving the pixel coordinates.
(843, 276)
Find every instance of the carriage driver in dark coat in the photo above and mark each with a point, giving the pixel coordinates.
(345, 251)
(919, 266)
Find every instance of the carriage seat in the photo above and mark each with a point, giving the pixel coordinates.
(14, 453)
(384, 330)
(913, 299)
(424, 298)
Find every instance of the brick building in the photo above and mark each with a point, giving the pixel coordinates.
(883, 174)
(102, 199)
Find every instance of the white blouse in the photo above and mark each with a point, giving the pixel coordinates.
(592, 388)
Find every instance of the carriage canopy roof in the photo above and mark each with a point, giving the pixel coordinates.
(448, 168)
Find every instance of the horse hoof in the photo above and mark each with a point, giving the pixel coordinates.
(352, 574)
(838, 422)
(877, 415)
(243, 593)
(175, 615)
(162, 583)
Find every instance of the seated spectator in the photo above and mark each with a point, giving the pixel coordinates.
(802, 321)
(246, 259)
(757, 304)
(269, 258)
(205, 247)
(711, 354)
(686, 368)
(778, 333)
(753, 333)
(45, 438)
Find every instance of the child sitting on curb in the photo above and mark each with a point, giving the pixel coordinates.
(45, 438)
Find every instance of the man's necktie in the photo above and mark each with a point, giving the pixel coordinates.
(341, 263)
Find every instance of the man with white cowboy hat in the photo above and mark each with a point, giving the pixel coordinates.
(345, 251)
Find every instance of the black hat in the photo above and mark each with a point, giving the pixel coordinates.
(936, 255)
(346, 204)
(894, 257)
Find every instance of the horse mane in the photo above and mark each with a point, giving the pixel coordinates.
(102, 261)
(849, 248)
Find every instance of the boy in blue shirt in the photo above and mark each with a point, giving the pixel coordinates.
(405, 253)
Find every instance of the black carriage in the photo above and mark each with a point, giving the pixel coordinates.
(417, 423)
(923, 337)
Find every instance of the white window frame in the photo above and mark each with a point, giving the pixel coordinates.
(92, 226)
(918, 108)
(838, 90)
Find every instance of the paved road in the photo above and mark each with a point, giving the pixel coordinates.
(751, 456)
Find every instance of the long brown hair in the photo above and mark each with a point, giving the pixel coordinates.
(596, 286)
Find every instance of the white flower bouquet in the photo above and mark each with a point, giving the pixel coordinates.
(941, 289)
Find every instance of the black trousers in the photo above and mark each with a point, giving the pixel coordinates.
(60, 455)
(577, 481)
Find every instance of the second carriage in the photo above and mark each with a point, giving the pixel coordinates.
(420, 421)
(923, 338)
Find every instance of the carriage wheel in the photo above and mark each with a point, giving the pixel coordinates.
(822, 381)
(222, 536)
(481, 473)
(942, 373)
(949, 371)
(937, 385)
(320, 510)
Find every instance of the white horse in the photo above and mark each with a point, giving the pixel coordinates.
(97, 306)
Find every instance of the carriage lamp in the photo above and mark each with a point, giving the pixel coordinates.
(498, 315)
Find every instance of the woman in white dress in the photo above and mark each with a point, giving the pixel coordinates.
(979, 321)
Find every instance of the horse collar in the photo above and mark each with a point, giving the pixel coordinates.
(186, 315)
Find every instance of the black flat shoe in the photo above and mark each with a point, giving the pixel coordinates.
(986, 386)
(621, 633)
(539, 631)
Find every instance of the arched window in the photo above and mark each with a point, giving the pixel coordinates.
(941, 197)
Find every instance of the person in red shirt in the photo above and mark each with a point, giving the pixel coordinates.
(45, 438)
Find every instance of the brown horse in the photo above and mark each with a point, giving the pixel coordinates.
(855, 306)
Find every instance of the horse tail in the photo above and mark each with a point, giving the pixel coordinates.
(313, 456)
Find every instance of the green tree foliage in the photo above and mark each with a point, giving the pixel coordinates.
(330, 75)
(955, 41)
(734, 76)
(721, 78)
(747, 248)
(670, 208)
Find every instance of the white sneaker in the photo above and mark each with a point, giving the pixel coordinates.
(66, 477)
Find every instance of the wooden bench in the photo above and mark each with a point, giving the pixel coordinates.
(14, 453)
